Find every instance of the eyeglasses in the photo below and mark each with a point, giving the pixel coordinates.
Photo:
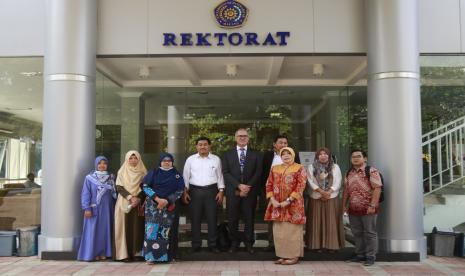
(356, 156)
(242, 136)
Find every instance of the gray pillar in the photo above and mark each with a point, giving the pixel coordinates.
(307, 129)
(68, 119)
(331, 122)
(132, 122)
(394, 120)
(296, 136)
(176, 134)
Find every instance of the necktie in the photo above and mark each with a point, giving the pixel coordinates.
(242, 159)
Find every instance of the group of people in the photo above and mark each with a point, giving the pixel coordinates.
(287, 182)
(138, 225)
(145, 217)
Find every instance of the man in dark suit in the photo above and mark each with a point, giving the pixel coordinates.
(271, 158)
(242, 169)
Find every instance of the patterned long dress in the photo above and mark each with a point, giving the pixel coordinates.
(158, 224)
(284, 182)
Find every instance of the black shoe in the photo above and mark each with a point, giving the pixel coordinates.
(356, 259)
(196, 249)
(213, 250)
(232, 249)
(249, 248)
(139, 259)
(269, 248)
(369, 261)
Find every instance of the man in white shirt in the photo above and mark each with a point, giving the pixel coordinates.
(204, 190)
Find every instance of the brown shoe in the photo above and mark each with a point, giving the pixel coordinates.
(279, 261)
(290, 261)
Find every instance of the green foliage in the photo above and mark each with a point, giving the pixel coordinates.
(440, 105)
(221, 129)
(215, 128)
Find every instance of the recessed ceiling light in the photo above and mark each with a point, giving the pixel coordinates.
(231, 70)
(18, 108)
(31, 74)
(6, 131)
(188, 116)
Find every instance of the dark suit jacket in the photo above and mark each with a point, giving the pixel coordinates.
(232, 171)
(267, 161)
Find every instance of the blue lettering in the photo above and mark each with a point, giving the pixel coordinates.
(282, 36)
(220, 37)
(202, 39)
(169, 39)
(237, 41)
(251, 39)
(186, 39)
(269, 40)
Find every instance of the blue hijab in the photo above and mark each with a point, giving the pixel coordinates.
(164, 182)
(104, 179)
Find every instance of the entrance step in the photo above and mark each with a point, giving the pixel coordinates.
(261, 255)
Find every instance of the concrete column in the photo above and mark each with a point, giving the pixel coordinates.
(394, 123)
(296, 136)
(132, 122)
(331, 122)
(68, 119)
(307, 129)
(176, 134)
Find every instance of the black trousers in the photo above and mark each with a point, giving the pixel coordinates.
(245, 206)
(203, 201)
(174, 234)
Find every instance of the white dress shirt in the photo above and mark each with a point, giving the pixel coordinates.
(335, 186)
(203, 171)
(276, 160)
(239, 151)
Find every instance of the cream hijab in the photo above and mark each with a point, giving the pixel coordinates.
(131, 177)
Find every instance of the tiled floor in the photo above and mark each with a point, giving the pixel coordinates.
(34, 266)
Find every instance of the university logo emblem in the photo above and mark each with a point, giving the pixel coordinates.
(230, 14)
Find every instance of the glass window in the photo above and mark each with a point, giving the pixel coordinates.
(443, 123)
(21, 94)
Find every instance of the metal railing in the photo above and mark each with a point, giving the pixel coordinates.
(443, 156)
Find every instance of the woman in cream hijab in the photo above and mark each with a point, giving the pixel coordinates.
(129, 226)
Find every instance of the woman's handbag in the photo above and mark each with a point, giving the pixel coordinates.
(141, 208)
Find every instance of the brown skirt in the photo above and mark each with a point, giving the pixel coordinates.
(129, 231)
(324, 225)
(288, 239)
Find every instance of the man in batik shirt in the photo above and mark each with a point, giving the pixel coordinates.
(361, 201)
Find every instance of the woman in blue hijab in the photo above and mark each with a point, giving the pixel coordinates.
(98, 203)
(163, 186)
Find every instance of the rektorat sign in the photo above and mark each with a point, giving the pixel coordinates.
(228, 14)
(220, 39)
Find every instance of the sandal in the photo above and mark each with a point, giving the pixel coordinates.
(279, 261)
(149, 263)
(290, 261)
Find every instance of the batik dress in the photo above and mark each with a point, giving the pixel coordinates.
(287, 182)
(158, 224)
